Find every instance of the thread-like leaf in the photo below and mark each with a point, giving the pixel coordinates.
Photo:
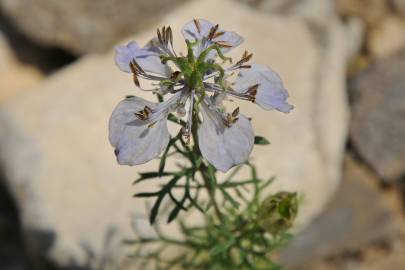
(161, 194)
(164, 156)
(149, 175)
(176, 210)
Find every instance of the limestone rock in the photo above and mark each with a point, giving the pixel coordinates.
(371, 11)
(318, 10)
(14, 76)
(62, 170)
(83, 26)
(359, 216)
(388, 38)
(399, 6)
(377, 129)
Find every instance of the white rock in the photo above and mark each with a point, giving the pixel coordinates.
(63, 172)
(14, 76)
(316, 10)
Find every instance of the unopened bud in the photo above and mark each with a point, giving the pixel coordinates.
(277, 212)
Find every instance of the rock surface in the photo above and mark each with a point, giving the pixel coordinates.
(378, 130)
(61, 168)
(358, 217)
(388, 38)
(370, 11)
(319, 10)
(399, 7)
(83, 26)
(14, 76)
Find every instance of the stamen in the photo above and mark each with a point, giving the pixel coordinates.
(252, 92)
(223, 44)
(212, 32)
(245, 58)
(218, 34)
(133, 67)
(175, 75)
(144, 114)
(136, 80)
(197, 25)
(137, 71)
(231, 118)
(235, 113)
(159, 36)
(164, 35)
(134, 72)
(245, 54)
(152, 124)
(170, 35)
(249, 95)
(137, 66)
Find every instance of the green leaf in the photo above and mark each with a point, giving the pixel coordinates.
(222, 247)
(147, 194)
(159, 97)
(161, 194)
(259, 140)
(149, 175)
(229, 198)
(164, 156)
(176, 202)
(176, 210)
(155, 209)
(176, 120)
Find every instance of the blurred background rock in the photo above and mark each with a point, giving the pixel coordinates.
(65, 204)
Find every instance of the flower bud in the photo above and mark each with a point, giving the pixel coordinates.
(277, 212)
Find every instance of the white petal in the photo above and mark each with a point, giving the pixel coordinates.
(147, 59)
(134, 140)
(271, 93)
(191, 32)
(225, 147)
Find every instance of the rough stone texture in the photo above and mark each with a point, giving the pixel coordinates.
(388, 38)
(392, 260)
(378, 130)
(358, 217)
(14, 76)
(371, 11)
(62, 170)
(313, 9)
(399, 7)
(83, 26)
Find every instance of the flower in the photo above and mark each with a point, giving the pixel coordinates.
(197, 85)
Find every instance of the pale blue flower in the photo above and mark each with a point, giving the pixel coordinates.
(138, 128)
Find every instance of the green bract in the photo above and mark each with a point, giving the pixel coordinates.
(193, 70)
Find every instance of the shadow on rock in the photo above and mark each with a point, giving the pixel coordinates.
(47, 59)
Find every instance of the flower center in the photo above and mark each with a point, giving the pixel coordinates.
(193, 69)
